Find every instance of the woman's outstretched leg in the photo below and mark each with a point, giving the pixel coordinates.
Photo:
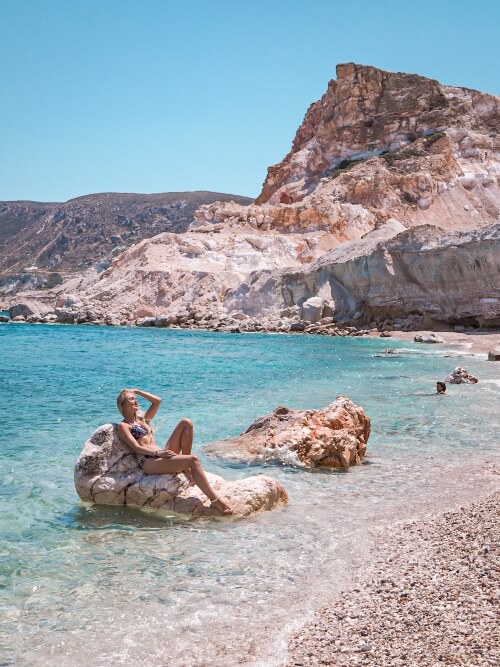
(182, 462)
(200, 479)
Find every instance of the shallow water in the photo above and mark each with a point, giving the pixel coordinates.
(101, 585)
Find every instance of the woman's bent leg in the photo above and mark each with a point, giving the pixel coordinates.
(181, 439)
(181, 442)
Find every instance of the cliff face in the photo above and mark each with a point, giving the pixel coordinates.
(442, 277)
(366, 112)
(383, 145)
(178, 274)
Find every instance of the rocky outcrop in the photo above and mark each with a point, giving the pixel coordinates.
(461, 376)
(28, 308)
(188, 276)
(334, 437)
(106, 473)
(368, 112)
(414, 280)
(378, 145)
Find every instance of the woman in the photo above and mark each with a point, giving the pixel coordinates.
(175, 457)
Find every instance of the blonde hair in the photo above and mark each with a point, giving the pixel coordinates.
(119, 403)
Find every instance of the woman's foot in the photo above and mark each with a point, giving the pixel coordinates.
(221, 506)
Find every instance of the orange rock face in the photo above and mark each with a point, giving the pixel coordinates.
(367, 111)
(382, 145)
(334, 437)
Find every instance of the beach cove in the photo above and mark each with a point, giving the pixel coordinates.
(88, 583)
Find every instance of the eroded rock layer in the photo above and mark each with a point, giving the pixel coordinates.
(445, 277)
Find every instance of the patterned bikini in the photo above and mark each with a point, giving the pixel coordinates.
(139, 432)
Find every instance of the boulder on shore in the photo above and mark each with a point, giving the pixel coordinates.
(430, 338)
(107, 473)
(333, 437)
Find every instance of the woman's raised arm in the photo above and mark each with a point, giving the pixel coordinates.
(154, 400)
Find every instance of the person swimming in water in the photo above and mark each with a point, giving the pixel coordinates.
(440, 388)
(136, 432)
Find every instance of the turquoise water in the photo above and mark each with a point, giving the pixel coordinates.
(119, 586)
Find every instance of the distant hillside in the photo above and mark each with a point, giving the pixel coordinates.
(83, 231)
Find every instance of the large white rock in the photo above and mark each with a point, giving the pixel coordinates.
(461, 376)
(312, 309)
(429, 338)
(106, 473)
(494, 355)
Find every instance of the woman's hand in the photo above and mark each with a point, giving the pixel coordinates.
(145, 394)
(154, 400)
(166, 454)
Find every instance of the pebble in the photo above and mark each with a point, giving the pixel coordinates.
(428, 599)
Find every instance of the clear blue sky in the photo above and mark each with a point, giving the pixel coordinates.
(164, 95)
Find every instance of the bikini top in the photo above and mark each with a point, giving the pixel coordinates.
(138, 431)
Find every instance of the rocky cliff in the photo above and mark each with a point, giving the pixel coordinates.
(383, 145)
(387, 205)
(435, 277)
(367, 112)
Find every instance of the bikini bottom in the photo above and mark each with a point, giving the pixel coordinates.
(142, 460)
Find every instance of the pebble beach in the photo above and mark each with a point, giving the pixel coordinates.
(428, 598)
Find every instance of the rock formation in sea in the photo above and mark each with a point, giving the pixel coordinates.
(387, 206)
(333, 437)
(107, 473)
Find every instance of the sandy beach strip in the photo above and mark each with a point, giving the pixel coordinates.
(429, 598)
(474, 342)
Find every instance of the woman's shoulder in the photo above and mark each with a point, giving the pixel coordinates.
(123, 426)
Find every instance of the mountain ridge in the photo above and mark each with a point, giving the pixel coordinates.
(85, 230)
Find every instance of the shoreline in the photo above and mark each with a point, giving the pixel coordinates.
(479, 341)
(473, 342)
(427, 598)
